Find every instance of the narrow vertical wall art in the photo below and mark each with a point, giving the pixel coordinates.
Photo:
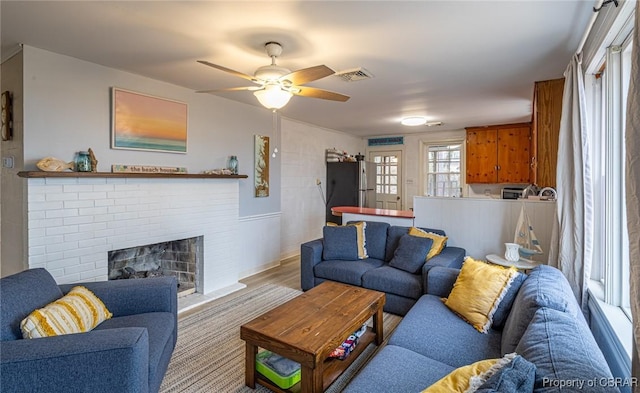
(261, 174)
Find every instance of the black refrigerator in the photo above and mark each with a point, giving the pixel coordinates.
(350, 184)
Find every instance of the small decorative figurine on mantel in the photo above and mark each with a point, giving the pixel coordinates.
(94, 161)
(52, 164)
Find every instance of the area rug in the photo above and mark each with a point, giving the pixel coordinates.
(209, 355)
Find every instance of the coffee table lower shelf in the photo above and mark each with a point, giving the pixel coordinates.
(332, 368)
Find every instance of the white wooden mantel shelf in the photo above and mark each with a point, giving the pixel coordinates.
(40, 174)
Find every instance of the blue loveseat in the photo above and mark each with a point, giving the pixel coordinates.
(544, 325)
(128, 353)
(402, 289)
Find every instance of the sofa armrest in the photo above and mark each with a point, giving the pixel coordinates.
(310, 255)
(448, 257)
(136, 296)
(439, 280)
(111, 360)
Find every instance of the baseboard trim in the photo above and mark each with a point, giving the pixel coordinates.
(197, 299)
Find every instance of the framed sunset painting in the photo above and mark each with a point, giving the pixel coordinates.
(144, 122)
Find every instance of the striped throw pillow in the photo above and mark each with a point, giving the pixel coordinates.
(78, 311)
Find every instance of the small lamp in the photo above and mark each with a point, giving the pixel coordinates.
(273, 97)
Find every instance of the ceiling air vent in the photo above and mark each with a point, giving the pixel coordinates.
(356, 74)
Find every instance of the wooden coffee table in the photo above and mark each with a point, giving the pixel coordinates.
(307, 328)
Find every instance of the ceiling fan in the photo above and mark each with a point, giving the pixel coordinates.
(276, 85)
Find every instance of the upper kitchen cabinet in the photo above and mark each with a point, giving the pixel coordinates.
(499, 154)
(545, 128)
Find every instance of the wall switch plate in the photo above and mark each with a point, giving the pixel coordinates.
(7, 162)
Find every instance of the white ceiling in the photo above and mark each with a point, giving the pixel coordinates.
(465, 63)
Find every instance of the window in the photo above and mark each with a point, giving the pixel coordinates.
(386, 174)
(609, 89)
(443, 174)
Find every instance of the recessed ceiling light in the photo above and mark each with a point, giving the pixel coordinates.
(414, 121)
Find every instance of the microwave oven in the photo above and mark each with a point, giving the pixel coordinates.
(511, 193)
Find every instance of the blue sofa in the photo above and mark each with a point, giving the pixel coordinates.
(544, 325)
(128, 353)
(402, 289)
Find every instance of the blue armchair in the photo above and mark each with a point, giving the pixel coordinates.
(128, 353)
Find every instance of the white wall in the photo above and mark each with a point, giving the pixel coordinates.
(67, 108)
(482, 226)
(412, 160)
(74, 222)
(259, 248)
(303, 161)
(12, 206)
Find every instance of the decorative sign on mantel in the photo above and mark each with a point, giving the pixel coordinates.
(148, 169)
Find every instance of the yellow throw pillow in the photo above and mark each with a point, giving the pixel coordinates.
(438, 240)
(78, 311)
(362, 239)
(469, 378)
(478, 290)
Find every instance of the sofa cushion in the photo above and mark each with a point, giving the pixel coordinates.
(391, 280)
(411, 253)
(439, 241)
(348, 272)
(78, 311)
(478, 290)
(468, 378)
(397, 304)
(397, 370)
(376, 235)
(340, 242)
(159, 325)
(545, 286)
(36, 287)
(428, 328)
(564, 351)
(516, 377)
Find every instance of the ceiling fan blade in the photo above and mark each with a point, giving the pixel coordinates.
(251, 88)
(318, 93)
(229, 70)
(310, 74)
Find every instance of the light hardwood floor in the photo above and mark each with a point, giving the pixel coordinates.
(287, 275)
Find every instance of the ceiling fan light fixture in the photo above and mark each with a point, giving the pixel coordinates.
(414, 121)
(273, 97)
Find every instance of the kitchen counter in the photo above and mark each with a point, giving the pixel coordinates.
(355, 213)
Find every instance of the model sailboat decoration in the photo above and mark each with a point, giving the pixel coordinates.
(525, 237)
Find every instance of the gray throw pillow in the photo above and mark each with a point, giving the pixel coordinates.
(502, 312)
(340, 242)
(411, 253)
(517, 376)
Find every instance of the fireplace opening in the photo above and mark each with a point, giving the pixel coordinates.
(179, 258)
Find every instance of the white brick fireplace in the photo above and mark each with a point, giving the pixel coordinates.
(74, 222)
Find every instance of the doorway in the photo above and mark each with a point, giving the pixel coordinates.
(388, 178)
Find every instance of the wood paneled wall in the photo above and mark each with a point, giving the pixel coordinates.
(547, 109)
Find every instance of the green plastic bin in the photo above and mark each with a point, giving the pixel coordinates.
(283, 372)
